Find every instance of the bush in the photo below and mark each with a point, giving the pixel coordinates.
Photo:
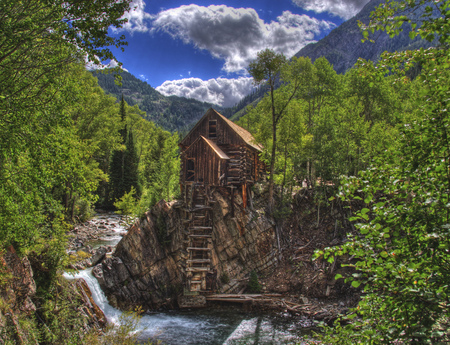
(127, 204)
(83, 210)
(253, 283)
(225, 278)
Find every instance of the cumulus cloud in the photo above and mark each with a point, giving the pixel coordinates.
(92, 66)
(237, 34)
(221, 91)
(137, 18)
(345, 9)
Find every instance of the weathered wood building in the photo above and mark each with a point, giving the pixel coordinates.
(216, 153)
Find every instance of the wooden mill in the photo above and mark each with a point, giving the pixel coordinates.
(216, 154)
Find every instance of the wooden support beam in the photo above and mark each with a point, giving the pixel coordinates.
(200, 228)
(198, 261)
(198, 269)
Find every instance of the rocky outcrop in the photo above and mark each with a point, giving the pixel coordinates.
(102, 227)
(18, 302)
(147, 268)
(16, 290)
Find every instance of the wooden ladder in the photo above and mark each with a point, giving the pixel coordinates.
(199, 233)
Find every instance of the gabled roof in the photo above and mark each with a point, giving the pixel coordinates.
(241, 132)
(216, 148)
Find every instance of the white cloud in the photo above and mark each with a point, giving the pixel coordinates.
(220, 91)
(143, 77)
(92, 66)
(237, 34)
(137, 18)
(345, 9)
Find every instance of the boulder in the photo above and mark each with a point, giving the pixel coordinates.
(147, 267)
(99, 255)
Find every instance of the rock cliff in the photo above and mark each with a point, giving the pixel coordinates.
(19, 302)
(147, 268)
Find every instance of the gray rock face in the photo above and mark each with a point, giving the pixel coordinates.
(19, 290)
(147, 268)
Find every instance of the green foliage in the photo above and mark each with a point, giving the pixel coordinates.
(13, 327)
(125, 333)
(128, 204)
(334, 125)
(224, 277)
(428, 19)
(45, 166)
(40, 39)
(83, 210)
(156, 152)
(401, 249)
(58, 130)
(161, 168)
(162, 234)
(170, 113)
(266, 69)
(124, 163)
(254, 285)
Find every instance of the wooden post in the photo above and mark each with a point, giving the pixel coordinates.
(232, 201)
(244, 195)
(249, 193)
(256, 167)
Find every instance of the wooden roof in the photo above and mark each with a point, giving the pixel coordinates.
(241, 132)
(216, 148)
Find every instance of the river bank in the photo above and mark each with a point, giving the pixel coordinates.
(301, 308)
(216, 324)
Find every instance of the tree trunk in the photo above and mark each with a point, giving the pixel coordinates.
(274, 148)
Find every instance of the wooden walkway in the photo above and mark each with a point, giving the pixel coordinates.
(242, 298)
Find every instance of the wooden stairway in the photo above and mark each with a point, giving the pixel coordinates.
(199, 233)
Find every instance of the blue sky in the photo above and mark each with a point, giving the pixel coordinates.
(201, 50)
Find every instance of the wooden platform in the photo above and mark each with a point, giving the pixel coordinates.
(242, 298)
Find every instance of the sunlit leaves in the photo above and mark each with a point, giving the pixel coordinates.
(401, 250)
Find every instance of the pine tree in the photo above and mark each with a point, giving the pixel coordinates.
(124, 164)
(131, 161)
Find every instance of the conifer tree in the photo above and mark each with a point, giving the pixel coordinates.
(124, 163)
(131, 163)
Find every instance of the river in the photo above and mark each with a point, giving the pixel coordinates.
(224, 326)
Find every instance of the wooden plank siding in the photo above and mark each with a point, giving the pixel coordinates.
(219, 147)
(208, 164)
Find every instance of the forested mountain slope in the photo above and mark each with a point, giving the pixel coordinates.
(171, 113)
(342, 48)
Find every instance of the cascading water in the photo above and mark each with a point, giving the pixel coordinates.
(208, 327)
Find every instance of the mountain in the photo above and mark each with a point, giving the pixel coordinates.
(342, 47)
(171, 113)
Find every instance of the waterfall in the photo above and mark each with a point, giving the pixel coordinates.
(195, 327)
(112, 314)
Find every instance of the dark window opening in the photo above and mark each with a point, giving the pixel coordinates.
(212, 129)
(190, 169)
